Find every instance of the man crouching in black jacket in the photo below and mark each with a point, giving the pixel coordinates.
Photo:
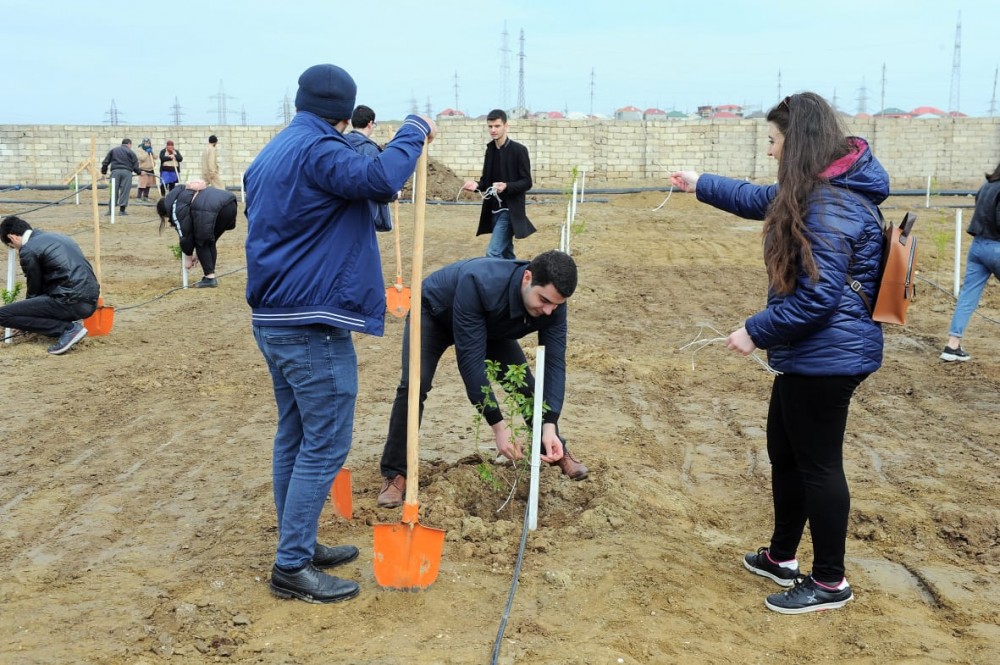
(62, 287)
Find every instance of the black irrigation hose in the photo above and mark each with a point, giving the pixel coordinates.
(176, 288)
(513, 589)
(53, 203)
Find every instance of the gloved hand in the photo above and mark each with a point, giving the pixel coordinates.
(104, 170)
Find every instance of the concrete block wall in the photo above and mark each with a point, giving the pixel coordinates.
(954, 152)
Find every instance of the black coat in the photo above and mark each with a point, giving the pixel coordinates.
(515, 170)
(54, 266)
(194, 215)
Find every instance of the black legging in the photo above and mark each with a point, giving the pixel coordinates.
(805, 443)
(206, 251)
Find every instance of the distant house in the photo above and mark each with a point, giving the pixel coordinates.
(450, 113)
(735, 109)
(628, 113)
(722, 111)
(654, 114)
(677, 115)
(927, 112)
(892, 112)
(548, 115)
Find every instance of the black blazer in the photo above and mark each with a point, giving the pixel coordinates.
(515, 170)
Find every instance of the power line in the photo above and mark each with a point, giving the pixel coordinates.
(956, 69)
(522, 108)
(176, 113)
(504, 69)
(114, 118)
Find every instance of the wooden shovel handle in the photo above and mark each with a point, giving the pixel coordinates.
(395, 233)
(413, 392)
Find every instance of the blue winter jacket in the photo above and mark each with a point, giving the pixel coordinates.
(312, 254)
(822, 328)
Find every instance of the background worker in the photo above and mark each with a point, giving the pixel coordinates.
(62, 289)
(200, 215)
(123, 163)
(210, 164)
(983, 260)
(363, 124)
(506, 176)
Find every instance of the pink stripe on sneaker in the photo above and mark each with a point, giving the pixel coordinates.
(839, 587)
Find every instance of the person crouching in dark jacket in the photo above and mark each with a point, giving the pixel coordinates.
(62, 288)
(200, 215)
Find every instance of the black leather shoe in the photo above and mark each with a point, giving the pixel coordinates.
(328, 557)
(311, 585)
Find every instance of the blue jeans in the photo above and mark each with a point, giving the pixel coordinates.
(314, 370)
(502, 241)
(983, 261)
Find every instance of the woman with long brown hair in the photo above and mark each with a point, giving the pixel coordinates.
(821, 232)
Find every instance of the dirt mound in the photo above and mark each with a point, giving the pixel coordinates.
(442, 183)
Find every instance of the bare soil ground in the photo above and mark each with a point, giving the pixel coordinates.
(137, 525)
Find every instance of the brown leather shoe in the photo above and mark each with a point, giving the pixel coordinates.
(571, 467)
(392, 492)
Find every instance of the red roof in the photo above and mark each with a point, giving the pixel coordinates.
(724, 114)
(729, 107)
(654, 112)
(628, 109)
(927, 110)
(451, 112)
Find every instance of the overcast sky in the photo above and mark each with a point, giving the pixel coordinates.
(65, 62)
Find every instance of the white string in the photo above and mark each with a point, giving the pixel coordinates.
(657, 162)
(702, 343)
(665, 200)
(490, 191)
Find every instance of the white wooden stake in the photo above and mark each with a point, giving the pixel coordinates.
(583, 184)
(114, 201)
(958, 252)
(76, 186)
(11, 257)
(536, 439)
(243, 191)
(573, 216)
(184, 270)
(927, 201)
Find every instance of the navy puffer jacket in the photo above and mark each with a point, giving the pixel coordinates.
(822, 328)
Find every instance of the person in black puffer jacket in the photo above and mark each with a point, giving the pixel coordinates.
(200, 215)
(820, 225)
(62, 288)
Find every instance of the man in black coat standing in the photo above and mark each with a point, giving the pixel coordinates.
(505, 180)
(62, 288)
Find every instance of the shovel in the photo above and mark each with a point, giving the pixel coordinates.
(397, 296)
(103, 319)
(407, 555)
(340, 493)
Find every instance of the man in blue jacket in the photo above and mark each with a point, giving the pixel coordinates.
(482, 307)
(314, 276)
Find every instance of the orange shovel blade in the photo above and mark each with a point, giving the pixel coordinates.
(407, 555)
(397, 300)
(340, 494)
(101, 321)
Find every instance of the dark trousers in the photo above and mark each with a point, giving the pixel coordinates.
(805, 443)
(44, 315)
(123, 187)
(434, 340)
(206, 250)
